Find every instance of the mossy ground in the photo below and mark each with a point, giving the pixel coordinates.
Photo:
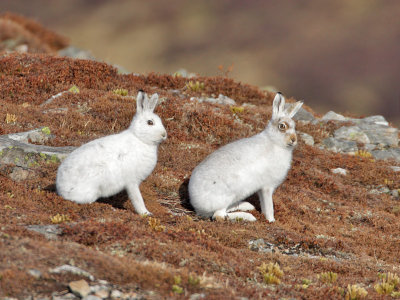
(332, 220)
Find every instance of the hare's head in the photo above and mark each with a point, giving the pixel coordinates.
(281, 128)
(146, 125)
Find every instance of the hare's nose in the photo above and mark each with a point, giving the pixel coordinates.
(293, 138)
(164, 135)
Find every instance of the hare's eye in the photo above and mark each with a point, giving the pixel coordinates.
(150, 122)
(282, 126)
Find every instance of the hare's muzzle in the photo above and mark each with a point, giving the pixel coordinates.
(292, 140)
(164, 135)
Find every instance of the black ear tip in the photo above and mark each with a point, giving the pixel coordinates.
(141, 91)
(279, 93)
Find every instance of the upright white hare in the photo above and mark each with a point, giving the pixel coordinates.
(108, 165)
(257, 164)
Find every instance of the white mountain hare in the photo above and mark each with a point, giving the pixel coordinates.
(258, 164)
(108, 165)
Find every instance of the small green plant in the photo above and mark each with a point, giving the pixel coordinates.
(193, 280)
(58, 219)
(155, 224)
(176, 288)
(10, 118)
(46, 130)
(195, 86)
(389, 281)
(355, 292)
(395, 294)
(387, 181)
(74, 90)
(384, 288)
(121, 92)
(271, 273)
(237, 109)
(363, 153)
(328, 277)
(305, 283)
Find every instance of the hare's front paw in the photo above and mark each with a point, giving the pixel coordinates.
(145, 213)
(271, 220)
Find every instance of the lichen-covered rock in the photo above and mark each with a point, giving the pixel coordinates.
(16, 149)
(391, 153)
(222, 99)
(380, 134)
(340, 145)
(379, 120)
(333, 116)
(352, 133)
(306, 138)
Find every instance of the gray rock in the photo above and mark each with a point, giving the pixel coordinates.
(380, 190)
(220, 100)
(339, 145)
(115, 294)
(391, 153)
(80, 288)
(15, 149)
(370, 147)
(68, 296)
(75, 52)
(51, 232)
(52, 98)
(351, 133)
(302, 114)
(260, 245)
(379, 120)
(395, 193)
(333, 116)
(102, 293)
(197, 296)
(92, 297)
(20, 174)
(35, 273)
(306, 138)
(39, 135)
(339, 171)
(395, 168)
(72, 270)
(381, 135)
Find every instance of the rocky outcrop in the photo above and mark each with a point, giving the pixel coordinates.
(371, 134)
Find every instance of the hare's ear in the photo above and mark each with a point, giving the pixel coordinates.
(278, 106)
(151, 103)
(294, 109)
(140, 100)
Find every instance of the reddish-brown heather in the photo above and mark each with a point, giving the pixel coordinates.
(326, 222)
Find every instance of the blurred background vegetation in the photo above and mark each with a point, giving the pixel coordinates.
(334, 54)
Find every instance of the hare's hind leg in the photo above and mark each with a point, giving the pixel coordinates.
(241, 206)
(241, 216)
(137, 200)
(222, 214)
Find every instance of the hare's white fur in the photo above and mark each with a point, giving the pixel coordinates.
(108, 165)
(257, 164)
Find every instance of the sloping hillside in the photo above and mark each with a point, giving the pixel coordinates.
(347, 225)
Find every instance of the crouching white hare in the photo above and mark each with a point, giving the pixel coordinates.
(108, 165)
(257, 164)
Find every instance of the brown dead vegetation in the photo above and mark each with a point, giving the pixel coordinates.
(24, 31)
(324, 222)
